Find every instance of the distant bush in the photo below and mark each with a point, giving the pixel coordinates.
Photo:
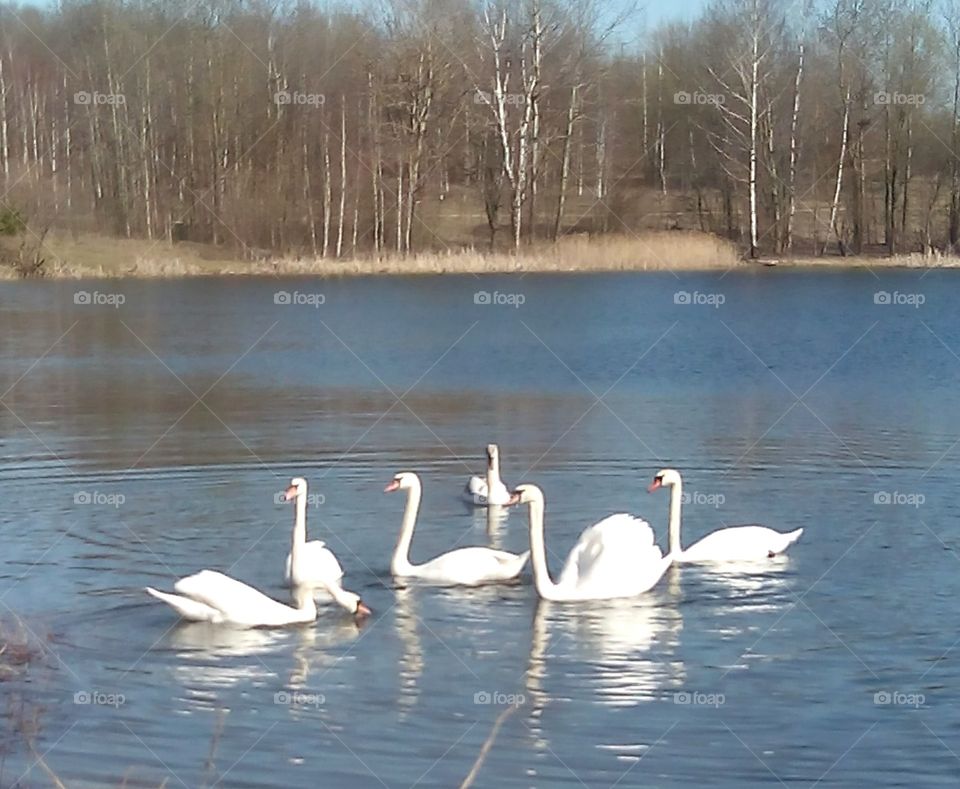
(11, 222)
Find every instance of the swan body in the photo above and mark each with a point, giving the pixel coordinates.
(463, 566)
(483, 491)
(308, 563)
(616, 557)
(733, 544)
(210, 596)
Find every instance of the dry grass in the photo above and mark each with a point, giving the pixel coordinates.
(91, 256)
(923, 260)
(98, 256)
(657, 251)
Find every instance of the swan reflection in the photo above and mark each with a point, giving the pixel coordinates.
(212, 658)
(411, 660)
(312, 651)
(206, 657)
(625, 650)
(492, 520)
(746, 586)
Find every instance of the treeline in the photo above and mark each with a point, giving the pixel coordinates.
(427, 123)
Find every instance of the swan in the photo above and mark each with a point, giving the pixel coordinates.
(735, 543)
(616, 557)
(209, 596)
(490, 490)
(463, 566)
(308, 563)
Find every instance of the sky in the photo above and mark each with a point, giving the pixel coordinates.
(647, 15)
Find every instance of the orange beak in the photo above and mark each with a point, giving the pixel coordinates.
(362, 610)
(394, 485)
(654, 485)
(291, 493)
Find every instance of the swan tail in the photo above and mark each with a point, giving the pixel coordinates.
(793, 536)
(187, 608)
(788, 539)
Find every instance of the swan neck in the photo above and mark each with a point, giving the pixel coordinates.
(493, 475)
(344, 599)
(546, 588)
(306, 607)
(676, 500)
(401, 553)
(299, 526)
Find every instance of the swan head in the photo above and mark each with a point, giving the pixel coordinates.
(298, 487)
(402, 481)
(665, 478)
(352, 602)
(526, 493)
(493, 455)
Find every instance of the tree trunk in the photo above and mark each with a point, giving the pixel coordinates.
(794, 154)
(343, 172)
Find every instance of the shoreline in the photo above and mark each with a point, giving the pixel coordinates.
(100, 257)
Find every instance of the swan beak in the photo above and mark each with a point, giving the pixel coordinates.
(514, 499)
(394, 485)
(290, 494)
(654, 485)
(362, 610)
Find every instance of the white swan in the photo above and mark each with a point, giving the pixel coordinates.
(209, 596)
(463, 566)
(490, 490)
(616, 557)
(736, 543)
(308, 563)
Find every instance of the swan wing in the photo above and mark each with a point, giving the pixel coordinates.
(193, 610)
(318, 565)
(476, 486)
(236, 601)
(740, 543)
(472, 566)
(616, 557)
(475, 491)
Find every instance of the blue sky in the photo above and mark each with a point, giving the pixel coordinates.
(649, 14)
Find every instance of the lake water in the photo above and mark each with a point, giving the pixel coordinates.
(143, 441)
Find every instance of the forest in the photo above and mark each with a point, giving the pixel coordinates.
(812, 128)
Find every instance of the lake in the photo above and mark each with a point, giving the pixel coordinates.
(148, 426)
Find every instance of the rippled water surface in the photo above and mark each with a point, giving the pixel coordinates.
(145, 442)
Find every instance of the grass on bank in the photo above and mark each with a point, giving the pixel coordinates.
(67, 257)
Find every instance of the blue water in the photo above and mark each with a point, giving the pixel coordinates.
(797, 401)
